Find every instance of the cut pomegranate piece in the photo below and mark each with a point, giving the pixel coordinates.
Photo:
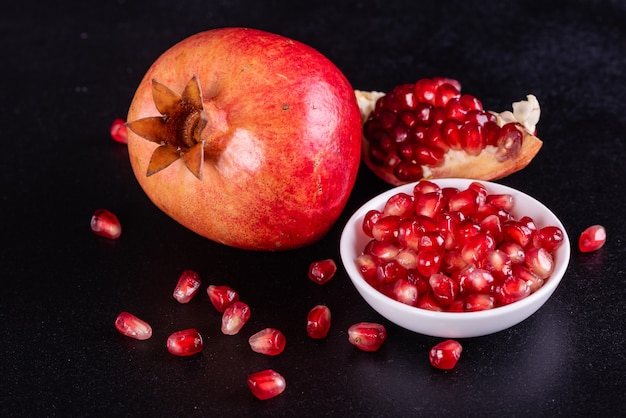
(445, 355)
(235, 317)
(269, 341)
(184, 343)
(131, 326)
(187, 286)
(318, 322)
(119, 132)
(266, 384)
(104, 223)
(430, 130)
(222, 296)
(592, 238)
(367, 336)
(322, 271)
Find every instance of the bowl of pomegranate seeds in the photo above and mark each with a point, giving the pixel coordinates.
(455, 258)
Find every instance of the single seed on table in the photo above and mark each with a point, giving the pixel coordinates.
(592, 238)
(269, 341)
(318, 322)
(322, 271)
(187, 286)
(266, 384)
(222, 296)
(105, 224)
(367, 336)
(131, 326)
(185, 343)
(235, 317)
(445, 354)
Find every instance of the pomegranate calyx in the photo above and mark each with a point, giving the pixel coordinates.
(178, 130)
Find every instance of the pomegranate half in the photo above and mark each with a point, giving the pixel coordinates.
(247, 138)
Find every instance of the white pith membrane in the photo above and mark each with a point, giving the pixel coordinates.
(457, 163)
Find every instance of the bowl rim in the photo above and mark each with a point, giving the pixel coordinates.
(355, 220)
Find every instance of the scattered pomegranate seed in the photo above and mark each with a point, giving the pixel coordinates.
(222, 296)
(187, 286)
(592, 238)
(266, 384)
(318, 322)
(184, 343)
(119, 132)
(269, 341)
(457, 250)
(445, 355)
(131, 326)
(104, 223)
(322, 271)
(367, 336)
(235, 317)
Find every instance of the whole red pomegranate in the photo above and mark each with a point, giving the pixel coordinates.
(248, 138)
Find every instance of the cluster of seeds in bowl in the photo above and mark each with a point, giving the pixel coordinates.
(446, 249)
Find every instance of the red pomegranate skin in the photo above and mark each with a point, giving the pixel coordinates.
(282, 143)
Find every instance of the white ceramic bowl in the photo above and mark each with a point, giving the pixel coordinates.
(453, 324)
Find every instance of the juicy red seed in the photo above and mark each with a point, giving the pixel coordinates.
(367, 336)
(456, 110)
(445, 355)
(466, 228)
(465, 202)
(187, 286)
(428, 262)
(266, 384)
(371, 217)
(452, 262)
(472, 140)
(450, 132)
(514, 251)
(502, 201)
(390, 271)
(318, 322)
(549, 237)
(222, 296)
(511, 290)
(517, 232)
(131, 326)
(446, 92)
(104, 223)
(497, 262)
(269, 341)
(235, 317)
(540, 262)
(407, 258)
(531, 279)
(592, 238)
(367, 265)
(425, 90)
(400, 204)
(491, 225)
(386, 228)
(425, 155)
(491, 132)
(405, 292)
(431, 240)
(509, 142)
(470, 102)
(382, 250)
(477, 247)
(408, 171)
(434, 139)
(322, 271)
(119, 132)
(184, 343)
(479, 117)
(444, 288)
(429, 204)
(478, 280)
(425, 186)
(478, 302)
(429, 303)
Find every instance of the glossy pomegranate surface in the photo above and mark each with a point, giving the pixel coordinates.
(248, 138)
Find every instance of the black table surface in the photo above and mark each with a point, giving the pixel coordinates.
(69, 68)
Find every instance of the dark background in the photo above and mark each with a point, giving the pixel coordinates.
(69, 68)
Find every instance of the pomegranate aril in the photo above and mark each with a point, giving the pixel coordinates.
(511, 290)
(407, 258)
(386, 228)
(428, 262)
(540, 262)
(592, 239)
(370, 218)
(445, 355)
(407, 171)
(119, 132)
(322, 271)
(382, 250)
(133, 327)
(514, 251)
(549, 237)
(222, 296)
(503, 201)
(478, 280)
(470, 102)
(532, 280)
(446, 92)
(266, 384)
(318, 322)
(425, 155)
(518, 232)
(400, 204)
(235, 317)
(429, 303)
(425, 90)
(450, 132)
(478, 302)
(425, 186)
(472, 140)
(443, 288)
(187, 286)
(367, 336)
(105, 224)
(498, 263)
(405, 292)
(184, 343)
(429, 204)
(464, 202)
(509, 142)
(390, 271)
(492, 226)
(367, 265)
(477, 247)
(268, 341)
